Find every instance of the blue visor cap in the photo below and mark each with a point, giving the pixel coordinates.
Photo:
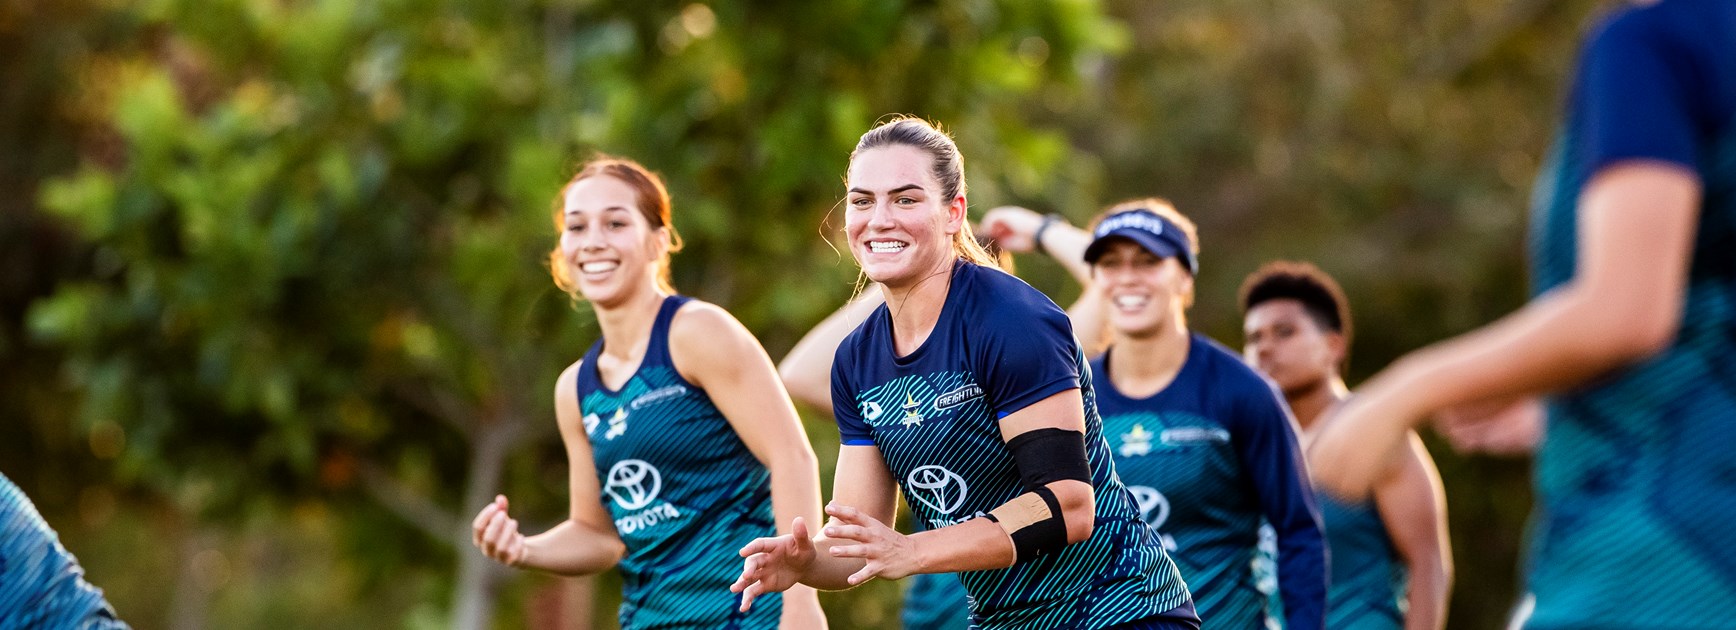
(1156, 234)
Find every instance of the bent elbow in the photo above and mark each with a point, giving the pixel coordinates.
(614, 551)
(1627, 331)
(788, 373)
(805, 387)
(1078, 510)
(796, 458)
(1082, 531)
(1651, 336)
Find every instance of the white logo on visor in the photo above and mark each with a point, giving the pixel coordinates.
(633, 483)
(1137, 220)
(938, 488)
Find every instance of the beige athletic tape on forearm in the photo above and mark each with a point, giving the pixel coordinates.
(1021, 512)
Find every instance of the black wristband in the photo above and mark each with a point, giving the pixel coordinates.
(1037, 237)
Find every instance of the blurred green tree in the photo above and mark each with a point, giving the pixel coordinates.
(316, 262)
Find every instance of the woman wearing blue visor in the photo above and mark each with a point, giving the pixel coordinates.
(1205, 444)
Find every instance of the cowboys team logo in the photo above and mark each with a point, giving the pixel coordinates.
(633, 483)
(912, 411)
(938, 488)
(617, 424)
(1136, 442)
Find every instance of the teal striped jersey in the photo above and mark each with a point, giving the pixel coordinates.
(936, 601)
(1636, 476)
(41, 584)
(684, 491)
(1368, 580)
(997, 347)
(1209, 459)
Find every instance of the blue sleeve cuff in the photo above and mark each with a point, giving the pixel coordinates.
(1060, 384)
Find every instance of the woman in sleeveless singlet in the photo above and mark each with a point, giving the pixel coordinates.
(682, 443)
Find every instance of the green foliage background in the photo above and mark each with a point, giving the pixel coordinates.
(274, 309)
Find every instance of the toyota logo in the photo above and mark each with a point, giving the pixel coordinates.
(633, 484)
(938, 488)
(1153, 507)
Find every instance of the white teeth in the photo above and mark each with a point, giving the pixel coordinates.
(885, 247)
(1132, 301)
(600, 266)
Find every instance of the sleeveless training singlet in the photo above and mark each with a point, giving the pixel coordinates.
(1368, 580)
(684, 492)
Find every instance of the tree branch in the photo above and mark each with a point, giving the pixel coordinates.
(440, 403)
(408, 504)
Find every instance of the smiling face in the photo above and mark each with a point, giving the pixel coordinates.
(610, 247)
(899, 222)
(1145, 292)
(1290, 346)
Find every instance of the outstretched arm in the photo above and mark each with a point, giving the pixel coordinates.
(1618, 309)
(807, 369)
(1022, 231)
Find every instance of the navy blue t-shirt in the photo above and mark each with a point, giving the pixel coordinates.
(1634, 491)
(934, 415)
(1206, 458)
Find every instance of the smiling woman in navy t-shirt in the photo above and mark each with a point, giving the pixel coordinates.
(968, 391)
